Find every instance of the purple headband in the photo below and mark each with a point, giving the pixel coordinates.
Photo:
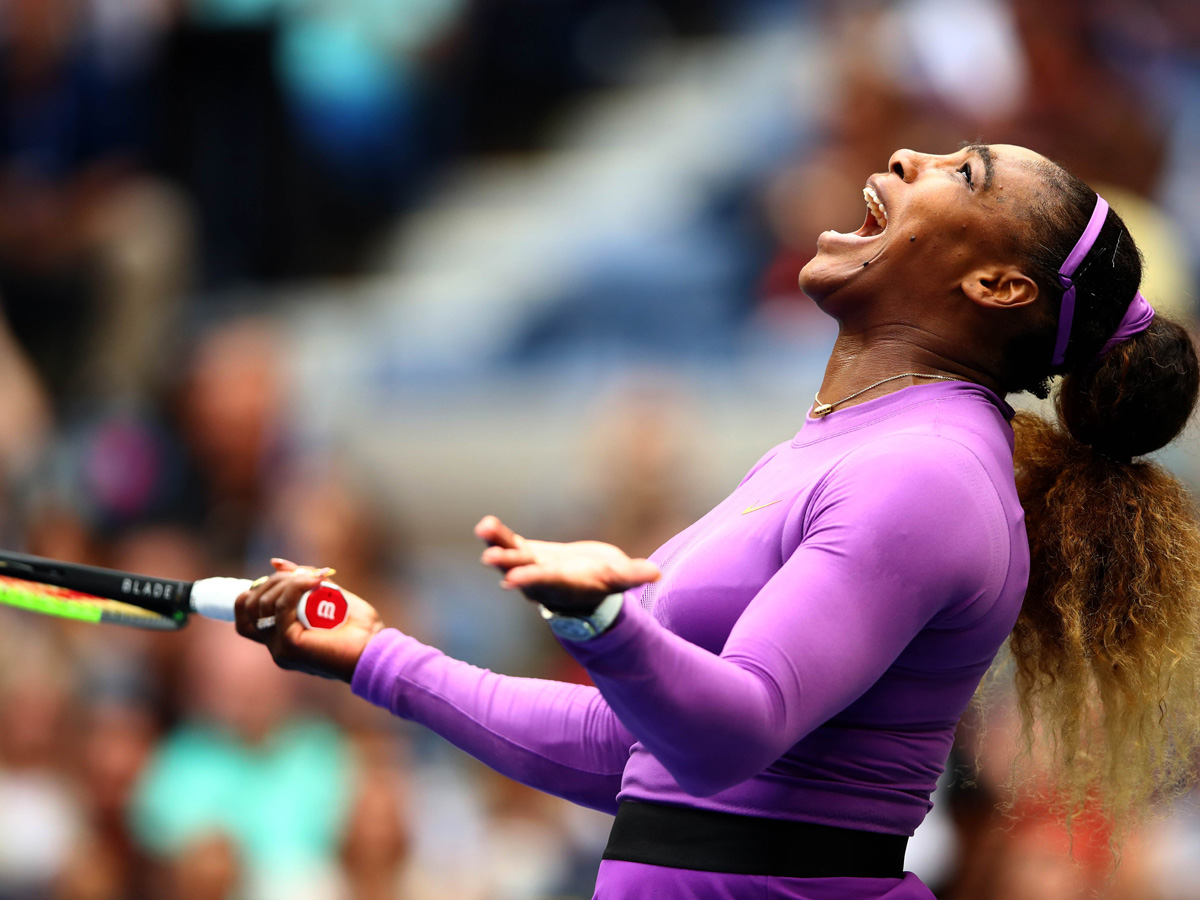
(1137, 316)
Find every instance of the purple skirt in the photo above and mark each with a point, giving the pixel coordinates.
(620, 880)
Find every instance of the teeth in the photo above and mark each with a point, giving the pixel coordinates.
(875, 205)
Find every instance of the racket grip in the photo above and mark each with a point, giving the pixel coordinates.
(213, 597)
(323, 607)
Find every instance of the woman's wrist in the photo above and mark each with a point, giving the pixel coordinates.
(346, 673)
(580, 626)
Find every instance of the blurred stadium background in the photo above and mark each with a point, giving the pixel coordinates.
(331, 279)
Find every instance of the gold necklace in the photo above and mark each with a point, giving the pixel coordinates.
(823, 409)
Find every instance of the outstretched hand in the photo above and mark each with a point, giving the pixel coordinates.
(567, 578)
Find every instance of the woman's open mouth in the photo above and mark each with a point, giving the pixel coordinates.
(877, 218)
(875, 224)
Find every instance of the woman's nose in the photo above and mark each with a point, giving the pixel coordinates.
(905, 164)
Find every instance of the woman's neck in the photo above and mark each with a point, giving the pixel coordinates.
(862, 359)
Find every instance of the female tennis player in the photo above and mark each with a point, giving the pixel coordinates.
(777, 688)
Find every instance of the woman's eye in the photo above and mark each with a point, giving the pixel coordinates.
(965, 169)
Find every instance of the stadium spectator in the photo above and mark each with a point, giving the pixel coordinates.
(94, 253)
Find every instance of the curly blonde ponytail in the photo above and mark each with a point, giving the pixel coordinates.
(1107, 645)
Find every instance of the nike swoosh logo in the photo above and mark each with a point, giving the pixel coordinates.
(750, 509)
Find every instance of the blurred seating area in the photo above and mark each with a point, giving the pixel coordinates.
(332, 280)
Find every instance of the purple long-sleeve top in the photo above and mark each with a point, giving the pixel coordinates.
(809, 649)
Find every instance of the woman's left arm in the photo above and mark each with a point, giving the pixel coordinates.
(893, 540)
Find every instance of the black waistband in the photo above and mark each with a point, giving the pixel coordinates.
(684, 838)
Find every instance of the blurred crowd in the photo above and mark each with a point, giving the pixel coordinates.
(156, 155)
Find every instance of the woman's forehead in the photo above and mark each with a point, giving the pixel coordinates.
(1009, 156)
(1012, 168)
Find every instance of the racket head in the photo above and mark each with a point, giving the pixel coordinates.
(64, 603)
(91, 594)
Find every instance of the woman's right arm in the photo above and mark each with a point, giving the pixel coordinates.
(560, 738)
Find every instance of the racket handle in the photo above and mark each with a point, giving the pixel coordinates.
(213, 597)
(323, 607)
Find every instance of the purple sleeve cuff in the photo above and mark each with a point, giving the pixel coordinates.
(375, 677)
(625, 627)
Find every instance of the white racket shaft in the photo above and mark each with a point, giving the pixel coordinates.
(322, 607)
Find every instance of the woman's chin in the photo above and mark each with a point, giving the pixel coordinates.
(817, 278)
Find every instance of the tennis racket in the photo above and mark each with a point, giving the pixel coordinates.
(92, 594)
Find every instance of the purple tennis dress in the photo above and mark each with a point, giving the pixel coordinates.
(806, 654)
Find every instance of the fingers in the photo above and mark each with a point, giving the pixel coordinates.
(267, 611)
(607, 578)
(536, 583)
(505, 559)
(283, 565)
(642, 571)
(281, 598)
(242, 620)
(506, 550)
(248, 609)
(496, 534)
(538, 577)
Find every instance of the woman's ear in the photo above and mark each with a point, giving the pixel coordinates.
(1000, 287)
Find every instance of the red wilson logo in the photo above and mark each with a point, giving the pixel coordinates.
(324, 607)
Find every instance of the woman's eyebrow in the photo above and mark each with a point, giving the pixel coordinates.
(984, 152)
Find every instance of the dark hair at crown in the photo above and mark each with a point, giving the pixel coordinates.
(1105, 281)
(1139, 396)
